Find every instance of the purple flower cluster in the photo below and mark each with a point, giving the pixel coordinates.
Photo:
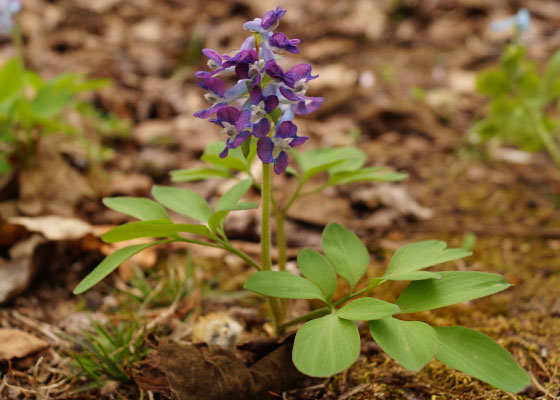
(265, 94)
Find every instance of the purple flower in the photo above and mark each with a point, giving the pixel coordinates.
(7, 9)
(235, 123)
(303, 104)
(218, 96)
(262, 104)
(274, 150)
(268, 23)
(215, 63)
(280, 42)
(277, 73)
(246, 64)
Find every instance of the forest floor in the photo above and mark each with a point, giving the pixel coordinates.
(398, 79)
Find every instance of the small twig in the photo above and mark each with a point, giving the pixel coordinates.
(352, 392)
(50, 331)
(539, 386)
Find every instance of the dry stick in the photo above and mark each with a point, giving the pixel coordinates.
(50, 331)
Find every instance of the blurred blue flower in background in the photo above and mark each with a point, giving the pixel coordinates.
(521, 20)
(7, 9)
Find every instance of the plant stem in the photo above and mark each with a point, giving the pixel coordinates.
(245, 257)
(293, 198)
(326, 310)
(281, 239)
(374, 283)
(545, 136)
(306, 317)
(280, 220)
(223, 245)
(266, 194)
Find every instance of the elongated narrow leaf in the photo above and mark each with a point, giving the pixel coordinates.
(219, 216)
(154, 229)
(229, 162)
(372, 174)
(321, 168)
(413, 344)
(416, 276)
(453, 287)
(198, 174)
(317, 269)
(110, 263)
(367, 309)
(332, 159)
(346, 253)
(416, 256)
(11, 78)
(233, 195)
(50, 101)
(283, 284)
(141, 208)
(478, 355)
(184, 201)
(326, 346)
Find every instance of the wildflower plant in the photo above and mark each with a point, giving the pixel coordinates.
(257, 115)
(32, 107)
(523, 104)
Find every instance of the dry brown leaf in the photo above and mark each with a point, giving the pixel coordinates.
(54, 227)
(15, 343)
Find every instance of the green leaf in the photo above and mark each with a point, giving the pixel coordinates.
(233, 195)
(367, 309)
(110, 263)
(413, 344)
(453, 287)
(198, 174)
(492, 82)
(317, 269)
(346, 253)
(218, 217)
(283, 284)
(416, 276)
(333, 159)
(416, 256)
(11, 78)
(366, 175)
(230, 162)
(141, 208)
(50, 101)
(143, 229)
(326, 346)
(184, 201)
(478, 355)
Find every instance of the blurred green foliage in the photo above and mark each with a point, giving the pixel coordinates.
(523, 103)
(32, 107)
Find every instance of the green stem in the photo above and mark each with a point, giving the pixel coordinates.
(326, 310)
(374, 283)
(17, 36)
(545, 136)
(306, 317)
(294, 197)
(266, 194)
(245, 257)
(316, 190)
(281, 243)
(280, 220)
(223, 245)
